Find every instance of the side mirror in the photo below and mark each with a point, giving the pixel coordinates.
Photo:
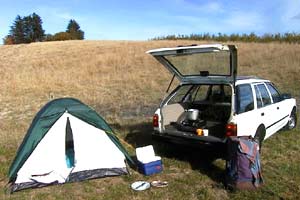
(286, 96)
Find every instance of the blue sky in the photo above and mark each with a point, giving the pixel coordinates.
(143, 19)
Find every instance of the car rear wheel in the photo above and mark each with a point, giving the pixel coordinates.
(260, 136)
(292, 121)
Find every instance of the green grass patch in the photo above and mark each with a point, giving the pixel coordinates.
(191, 173)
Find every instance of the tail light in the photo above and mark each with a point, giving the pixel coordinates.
(155, 120)
(231, 129)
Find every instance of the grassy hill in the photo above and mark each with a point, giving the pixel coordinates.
(125, 85)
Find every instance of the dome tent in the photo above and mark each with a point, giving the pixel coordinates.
(66, 142)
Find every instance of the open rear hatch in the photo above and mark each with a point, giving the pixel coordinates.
(208, 72)
(200, 64)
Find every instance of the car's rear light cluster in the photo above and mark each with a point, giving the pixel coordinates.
(231, 129)
(155, 120)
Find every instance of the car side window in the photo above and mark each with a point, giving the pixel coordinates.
(259, 100)
(245, 100)
(201, 93)
(266, 99)
(180, 94)
(274, 92)
(221, 93)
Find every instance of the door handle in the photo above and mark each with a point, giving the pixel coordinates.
(277, 108)
(262, 114)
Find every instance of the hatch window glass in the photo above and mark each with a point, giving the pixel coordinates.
(208, 63)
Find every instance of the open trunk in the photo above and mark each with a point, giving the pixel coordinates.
(198, 112)
(207, 75)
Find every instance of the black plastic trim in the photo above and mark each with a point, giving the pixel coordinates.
(277, 122)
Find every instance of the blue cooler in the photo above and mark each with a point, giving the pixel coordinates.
(148, 163)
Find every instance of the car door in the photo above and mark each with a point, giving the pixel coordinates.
(266, 111)
(246, 117)
(281, 107)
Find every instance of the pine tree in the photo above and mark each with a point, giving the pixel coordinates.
(27, 29)
(28, 32)
(33, 28)
(37, 29)
(74, 29)
(17, 30)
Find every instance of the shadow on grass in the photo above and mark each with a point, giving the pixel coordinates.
(200, 157)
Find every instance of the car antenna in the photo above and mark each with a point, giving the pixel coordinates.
(170, 83)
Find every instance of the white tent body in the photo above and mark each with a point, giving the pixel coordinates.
(93, 150)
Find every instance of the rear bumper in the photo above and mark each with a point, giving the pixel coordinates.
(187, 139)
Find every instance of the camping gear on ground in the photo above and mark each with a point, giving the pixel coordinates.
(159, 183)
(66, 142)
(140, 185)
(148, 163)
(243, 168)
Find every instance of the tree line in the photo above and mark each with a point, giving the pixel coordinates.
(252, 37)
(29, 29)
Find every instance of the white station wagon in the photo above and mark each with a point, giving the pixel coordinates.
(212, 103)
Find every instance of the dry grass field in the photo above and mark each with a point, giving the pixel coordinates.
(125, 85)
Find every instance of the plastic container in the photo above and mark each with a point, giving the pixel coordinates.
(150, 168)
(148, 163)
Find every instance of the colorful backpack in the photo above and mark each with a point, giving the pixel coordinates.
(243, 168)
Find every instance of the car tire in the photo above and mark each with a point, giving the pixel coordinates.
(260, 136)
(292, 123)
